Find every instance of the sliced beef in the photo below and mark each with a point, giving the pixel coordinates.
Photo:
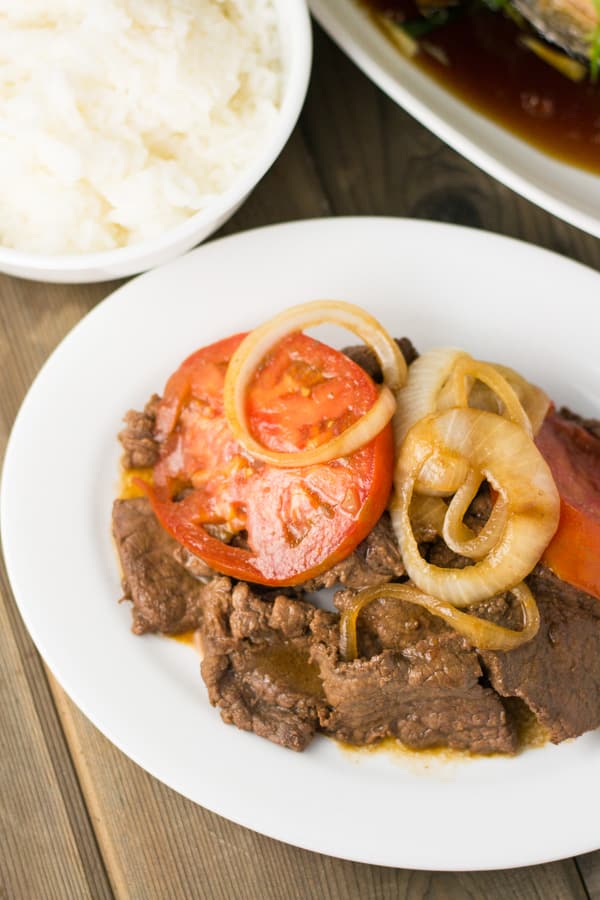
(165, 596)
(375, 561)
(257, 665)
(137, 438)
(557, 674)
(273, 667)
(364, 357)
(415, 680)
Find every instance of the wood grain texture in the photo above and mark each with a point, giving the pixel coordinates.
(48, 847)
(589, 867)
(78, 818)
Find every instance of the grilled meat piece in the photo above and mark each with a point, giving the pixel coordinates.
(557, 674)
(165, 596)
(137, 438)
(273, 667)
(257, 666)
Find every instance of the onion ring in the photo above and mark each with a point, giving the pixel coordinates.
(480, 633)
(445, 377)
(458, 536)
(460, 384)
(257, 343)
(533, 399)
(442, 475)
(419, 396)
(513, 465)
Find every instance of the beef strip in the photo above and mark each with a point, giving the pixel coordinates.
(557, 673)
(165, 596)
(416, 680)
(137, 438)
(256, 664)
(423, 687)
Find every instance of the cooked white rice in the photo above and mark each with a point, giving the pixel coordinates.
(122, 118)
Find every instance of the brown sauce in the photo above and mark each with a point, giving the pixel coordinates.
(186, 637)
(288, 665)
(489, 69)
(127, 488)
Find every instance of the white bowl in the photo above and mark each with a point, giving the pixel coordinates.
(296, 52)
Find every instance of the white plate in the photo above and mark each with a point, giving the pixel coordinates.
(564, 190)
(439, 284)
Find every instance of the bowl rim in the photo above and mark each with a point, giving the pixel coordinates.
(297, 66)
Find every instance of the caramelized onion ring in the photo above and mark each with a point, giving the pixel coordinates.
(533, 399)
(461, 382)
(458, 536)
(253, 348)
(513, 465)
(442, 475)
(445, 377)
(479, 632)
(419, 397)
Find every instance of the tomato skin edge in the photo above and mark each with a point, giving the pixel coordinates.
(573, 554)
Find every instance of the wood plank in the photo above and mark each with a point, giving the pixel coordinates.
(589, 867)
(48, 847)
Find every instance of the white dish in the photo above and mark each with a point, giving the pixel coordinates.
(498, 298)
(296, 53)
(564, 190)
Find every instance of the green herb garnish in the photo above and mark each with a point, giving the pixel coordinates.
(495, 5)
(423, 25)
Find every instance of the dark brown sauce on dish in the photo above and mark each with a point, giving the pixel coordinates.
(492, 72)
(286, 664)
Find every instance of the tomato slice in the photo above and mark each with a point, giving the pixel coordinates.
(573, 454)
(296, 522)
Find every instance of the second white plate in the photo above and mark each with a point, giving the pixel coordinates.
(570, 193)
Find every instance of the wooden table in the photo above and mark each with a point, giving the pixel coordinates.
(77, 818)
